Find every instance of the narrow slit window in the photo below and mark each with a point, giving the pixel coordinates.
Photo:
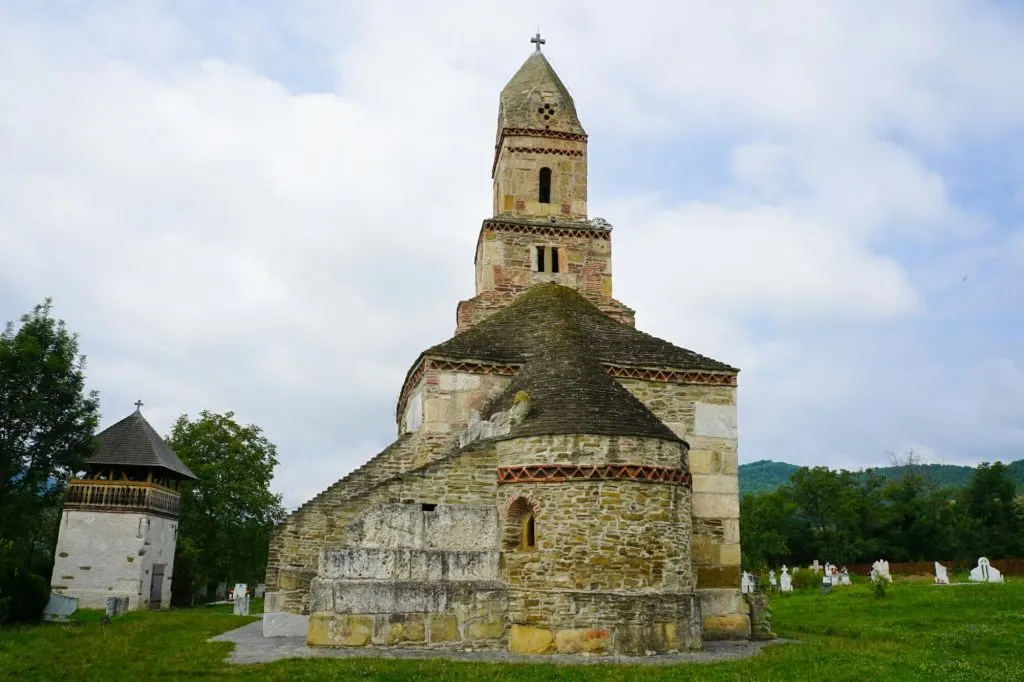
(529, 533)
(428, 507)
(545, 185)
(547, 259)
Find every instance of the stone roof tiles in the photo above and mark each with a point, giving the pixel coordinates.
(512, 334)
(562, 340)
(536, 98)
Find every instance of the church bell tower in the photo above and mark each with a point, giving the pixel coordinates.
(540, 231)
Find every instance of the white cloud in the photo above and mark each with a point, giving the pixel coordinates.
(274, 213)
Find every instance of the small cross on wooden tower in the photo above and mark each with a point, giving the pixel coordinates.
(538, 41)
(138, 405)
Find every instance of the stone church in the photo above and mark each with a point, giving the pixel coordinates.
(560, 481)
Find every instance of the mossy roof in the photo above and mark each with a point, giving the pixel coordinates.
(561, 340)
(133, 442)
(542, 314)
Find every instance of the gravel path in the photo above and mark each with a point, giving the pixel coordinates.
(252, 647)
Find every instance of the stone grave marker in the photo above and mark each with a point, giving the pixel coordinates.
(746, 583)
(116, 606)
(241, 599)
(772, 580)
(941, 575)
(786, 580)
(985, 572)
(60, 607)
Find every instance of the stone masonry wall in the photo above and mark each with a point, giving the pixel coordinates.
(517, 177)
(705, 416)
(467, 477)
(505, 269)
(412, 576)
(449, 398)
(611, 568)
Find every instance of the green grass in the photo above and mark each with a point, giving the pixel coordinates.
(918, 632)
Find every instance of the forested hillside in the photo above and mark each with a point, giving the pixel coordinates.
(766, 475)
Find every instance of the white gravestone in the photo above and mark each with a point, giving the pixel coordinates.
(844, 577)
(941, 576)
(881, 568)
(241, 599)
(786, 580)
(261, 589)
(815, 566)
(746, 583)
(985, 573)
(771, 579)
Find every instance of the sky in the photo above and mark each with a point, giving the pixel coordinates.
(271, 207)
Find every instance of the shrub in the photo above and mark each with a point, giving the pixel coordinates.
(878, 586)
(806, 578)
(26, 595)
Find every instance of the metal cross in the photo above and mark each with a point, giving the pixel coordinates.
(537, 40)
(138, 405)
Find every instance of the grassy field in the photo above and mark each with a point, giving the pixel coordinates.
(918, 632)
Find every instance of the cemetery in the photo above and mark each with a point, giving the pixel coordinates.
(917, 632)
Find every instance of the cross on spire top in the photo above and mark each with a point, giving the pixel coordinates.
(138, 405)
(537, 40)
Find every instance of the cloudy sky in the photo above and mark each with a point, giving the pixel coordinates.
(271, 207)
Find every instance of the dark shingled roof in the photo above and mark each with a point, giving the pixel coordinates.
(561, 339)
(133, 442)
(536, 319)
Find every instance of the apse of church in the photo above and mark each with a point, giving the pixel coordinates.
(560, 481)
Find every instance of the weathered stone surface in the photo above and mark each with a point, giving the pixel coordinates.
(339, 630)
(590, 640)
(444, 627)
(733, 626)
(365, 564)
(399, 628)
(524, 639)
(714, 420)
(489, 628)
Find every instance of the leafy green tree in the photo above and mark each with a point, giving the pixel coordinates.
(990, 499)
(770, 531)
(226, 515)
(47, 422)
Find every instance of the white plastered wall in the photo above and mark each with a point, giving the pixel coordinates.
(105, 554)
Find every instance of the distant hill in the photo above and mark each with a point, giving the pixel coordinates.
(766, 475)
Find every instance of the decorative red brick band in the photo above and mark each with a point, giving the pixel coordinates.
(673, 376)
(533, 132)
(559, 473)
(546, 230)
(546, 150)
(474, 367)
(541, 132)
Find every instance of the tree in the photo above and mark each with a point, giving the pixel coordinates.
(228, 513)
(990, 499)
(47, 422)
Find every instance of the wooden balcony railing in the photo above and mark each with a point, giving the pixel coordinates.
(122, 496)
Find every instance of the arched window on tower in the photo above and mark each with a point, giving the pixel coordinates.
(545, 185)
(520, 531)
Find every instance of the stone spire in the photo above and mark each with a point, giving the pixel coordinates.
(536, 98)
